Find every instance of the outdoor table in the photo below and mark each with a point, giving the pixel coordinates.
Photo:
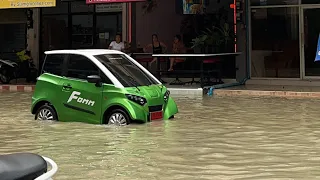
(201, 56)
(141, 54)
(134, 55)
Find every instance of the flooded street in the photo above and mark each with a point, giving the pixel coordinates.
(211, 138)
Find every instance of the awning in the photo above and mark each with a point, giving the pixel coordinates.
(110, 1)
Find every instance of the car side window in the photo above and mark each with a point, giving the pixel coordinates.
(53, 64)
(80, 67)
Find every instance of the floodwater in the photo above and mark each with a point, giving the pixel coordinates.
(211, 138)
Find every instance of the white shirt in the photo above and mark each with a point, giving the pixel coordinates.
(117, 46)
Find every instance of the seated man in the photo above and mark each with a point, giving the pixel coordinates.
(117, 44)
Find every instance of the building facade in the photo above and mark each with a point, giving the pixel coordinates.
(76, 25)
(283, 39)
(14, 34)
(68, 25)
(278, 39)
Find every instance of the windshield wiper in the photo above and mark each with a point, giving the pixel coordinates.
(131, 79)
(133, 82)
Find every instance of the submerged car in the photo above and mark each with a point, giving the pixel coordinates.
(99, 87)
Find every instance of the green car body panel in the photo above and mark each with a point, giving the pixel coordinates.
(89, 103)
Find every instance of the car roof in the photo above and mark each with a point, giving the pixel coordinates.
(84, 52)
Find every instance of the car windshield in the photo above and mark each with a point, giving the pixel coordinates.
(129, 74)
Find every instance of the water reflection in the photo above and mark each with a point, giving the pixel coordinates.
(211, 138)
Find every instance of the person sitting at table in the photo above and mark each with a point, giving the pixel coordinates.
(178, 48)
(117, 44)
(158, 47)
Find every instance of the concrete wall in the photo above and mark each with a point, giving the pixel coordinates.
(241, 61)
(163, 21)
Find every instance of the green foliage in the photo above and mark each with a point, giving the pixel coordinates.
(213, 36)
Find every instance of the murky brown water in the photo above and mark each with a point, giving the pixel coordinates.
(213, 138)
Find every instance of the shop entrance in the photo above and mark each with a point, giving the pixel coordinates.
(309, 40)
(76, 25)
(13, 32)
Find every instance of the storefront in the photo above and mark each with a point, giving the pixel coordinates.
(13, 32)
(19, 25)
(283, 38)
(76, 25)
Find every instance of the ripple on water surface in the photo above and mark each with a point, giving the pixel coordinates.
(211, 138)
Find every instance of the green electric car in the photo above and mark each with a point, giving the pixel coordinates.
(99, 87)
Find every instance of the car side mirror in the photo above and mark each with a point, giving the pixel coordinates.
(94, 79)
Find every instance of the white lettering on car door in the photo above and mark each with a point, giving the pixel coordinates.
(75, 95)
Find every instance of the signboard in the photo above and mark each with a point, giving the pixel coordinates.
(8, 4)
(110, 1)
(318, 50)
(193, 6)
(112, 7)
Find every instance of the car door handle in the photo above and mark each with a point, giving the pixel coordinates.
(67, 86)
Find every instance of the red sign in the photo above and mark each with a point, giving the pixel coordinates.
(110, 1)
(156, 115)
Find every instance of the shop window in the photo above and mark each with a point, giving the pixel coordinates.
(275, 43)
(273, 2)
(119, 25)
(310, 1)
(106, 32)
(13, 38)
(82, 34)
(81, 6)
(61, 8)
(55, 32)
(311, 34)
(13, 15)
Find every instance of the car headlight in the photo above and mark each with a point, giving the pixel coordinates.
(166, 95)
(137, 99)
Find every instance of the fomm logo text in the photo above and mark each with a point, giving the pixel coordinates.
(76, 95)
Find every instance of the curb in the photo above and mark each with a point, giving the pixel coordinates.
(185, 91)
(15, 88)
(30, 88)
(286, 94)
(198, 92)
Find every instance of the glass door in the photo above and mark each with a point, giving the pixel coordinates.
(310, 35)
(82, 31)
(108, 25)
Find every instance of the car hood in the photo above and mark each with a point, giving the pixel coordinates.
(149, 92)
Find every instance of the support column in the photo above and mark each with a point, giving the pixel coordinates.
(33, 36)
(242, 44)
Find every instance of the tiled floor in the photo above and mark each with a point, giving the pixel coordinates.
(276, 88)
(195, 90)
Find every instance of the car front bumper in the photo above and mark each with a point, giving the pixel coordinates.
(142, 113)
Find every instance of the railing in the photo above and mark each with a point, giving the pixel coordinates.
(216, 66)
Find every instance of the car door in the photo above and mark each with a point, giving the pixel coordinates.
(81, 99)
(48, 88)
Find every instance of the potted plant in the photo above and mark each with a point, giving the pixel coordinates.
(199, 43)
(213, 40)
